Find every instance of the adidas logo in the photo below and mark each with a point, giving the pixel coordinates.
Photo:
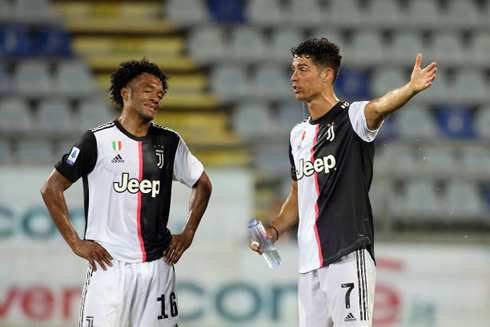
(117, 159)
(350, 317)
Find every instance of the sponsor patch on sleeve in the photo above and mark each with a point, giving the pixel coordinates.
(72, 157)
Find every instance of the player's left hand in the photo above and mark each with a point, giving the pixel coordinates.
(422, 78)
(178, 244)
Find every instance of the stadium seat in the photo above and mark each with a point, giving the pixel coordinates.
(381, 195)
(229, 82)
(388, 130)
(387, 79)
(353, 84)
(480, 47)
(94, 112)
(455, 122)
(475, 160)
(33, 79)
(253, 121)
(420, 200)
(6, 12)
(422, 14)
(471, 86)
(16, 117)
(74, 79)
(15, 42)
(30, 11)
(305, 13)
(415, 122)
(5, 152)
(34, 152)
(270, 82)
(265, 13)
(272, 162)
(382, 13)
(405, 47)
(482, 122)
(187, 12)
(52, 42)
(462, 14)
(227, 11)
(464, 200)
(437, 160)
(55, 117)
(346, 13)
(248, 45)
(290, 113)
(207, 44)
(333, 35)
(282, 40)
(6, 86)
(368, 48)
(447, 48)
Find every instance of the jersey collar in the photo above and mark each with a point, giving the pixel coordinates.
(328, 115)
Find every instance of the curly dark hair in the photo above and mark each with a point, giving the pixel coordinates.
(128, 71)
(322, 52)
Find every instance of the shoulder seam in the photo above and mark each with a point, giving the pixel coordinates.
(102, 127)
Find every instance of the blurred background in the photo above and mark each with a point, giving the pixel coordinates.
(231, 100)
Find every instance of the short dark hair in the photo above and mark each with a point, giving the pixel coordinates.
(128, 71)
(322, 52)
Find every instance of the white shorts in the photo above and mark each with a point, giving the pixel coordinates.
(341, 294)
(130, 295)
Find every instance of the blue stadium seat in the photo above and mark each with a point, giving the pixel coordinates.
(52, 42)
(227, 11)
(15, 42)
(353, 84)
(455, 122)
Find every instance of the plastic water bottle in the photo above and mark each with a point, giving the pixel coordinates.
(259, 234)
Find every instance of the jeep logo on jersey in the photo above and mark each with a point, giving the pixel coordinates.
(308, 168)
(159, 154)
(134, 186)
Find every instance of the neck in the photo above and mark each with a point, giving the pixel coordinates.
(134, 124)
(322, 104)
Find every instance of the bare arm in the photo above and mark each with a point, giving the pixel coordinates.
(287, 217)
(52, 193)
(379, 109)
(198, 203)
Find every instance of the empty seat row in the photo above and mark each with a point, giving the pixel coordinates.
(213, 44)
(471, 161)
(26, 11)
(34, 79)
(356, 13)
(52, 117)
(44, 41)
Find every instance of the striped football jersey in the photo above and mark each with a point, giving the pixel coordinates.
(332, 161)
(127, 183)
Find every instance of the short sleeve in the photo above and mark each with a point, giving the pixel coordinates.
(187, 169)
(81, 159)
(293, 166)
(359, 123)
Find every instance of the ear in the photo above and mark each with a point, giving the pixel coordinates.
(125, 94)
(327, 74)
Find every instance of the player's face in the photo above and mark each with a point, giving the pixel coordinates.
(146, 96)
(307, 82)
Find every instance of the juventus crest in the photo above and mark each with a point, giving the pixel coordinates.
(159, 154)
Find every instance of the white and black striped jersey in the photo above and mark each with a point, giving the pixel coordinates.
(127, 184)
(332, 161)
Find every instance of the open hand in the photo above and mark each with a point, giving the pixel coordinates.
(422, 78)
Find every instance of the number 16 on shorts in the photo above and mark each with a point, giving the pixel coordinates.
(168, 306)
